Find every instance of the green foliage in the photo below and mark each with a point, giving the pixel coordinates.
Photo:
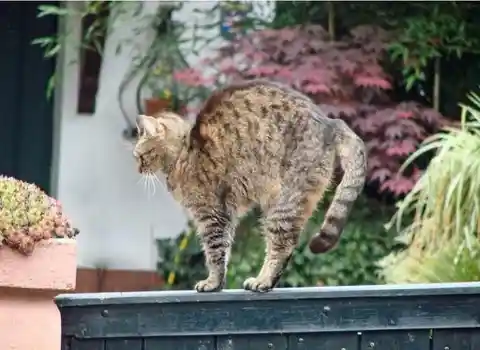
(181, 267)
(428, 36)
(457, 261)
(161, 56)
(352, 262)
(445, 204)
(91, 40)
(415, 23)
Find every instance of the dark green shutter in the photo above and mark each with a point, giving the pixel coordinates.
(26, 116)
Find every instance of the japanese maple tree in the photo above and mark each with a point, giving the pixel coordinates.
(346, 78)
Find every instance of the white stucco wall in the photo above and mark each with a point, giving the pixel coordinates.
(96, 177)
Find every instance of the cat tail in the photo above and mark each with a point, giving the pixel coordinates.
(352, 154)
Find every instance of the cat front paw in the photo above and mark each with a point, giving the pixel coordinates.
(209, 285)
(259, 285)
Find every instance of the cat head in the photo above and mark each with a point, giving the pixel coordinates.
(159, 141)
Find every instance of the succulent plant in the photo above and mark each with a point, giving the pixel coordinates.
(28, 215)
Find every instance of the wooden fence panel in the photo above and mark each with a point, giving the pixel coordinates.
(456, 339)
(324, 341)
(410, 317)
(187, 343)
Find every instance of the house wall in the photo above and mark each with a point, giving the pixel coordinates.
(96, 177)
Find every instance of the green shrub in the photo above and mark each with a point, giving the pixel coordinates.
(352, 262)
(442, 240)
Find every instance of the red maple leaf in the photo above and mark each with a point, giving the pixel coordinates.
(380, 175)
(227, 65)
(266, 33)
(398, 185)
(192, 77)
(364, 125)
(373, 163)
(287, 34)
(285, 73)
(394, 131)
(263, 70)
(316, 88)
(373, 144)
(412, 128)
(402, 148)
(431, 116)
(369, 81)
(405, 114)
(348, 67)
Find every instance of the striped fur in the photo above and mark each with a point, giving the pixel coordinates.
(255, 143)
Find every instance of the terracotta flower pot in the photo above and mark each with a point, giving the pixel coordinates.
(155, 105)
(29, 319)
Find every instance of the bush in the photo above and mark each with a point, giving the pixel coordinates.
(345, 78)
(442, 240)
(352, 262)
(28, 215)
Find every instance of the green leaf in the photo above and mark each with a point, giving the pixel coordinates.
(44, 41)
(50, 86)
(52, 51)
(410, 81)
(46, 10)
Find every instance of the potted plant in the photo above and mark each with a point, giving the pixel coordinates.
(160, 101)
(37, 262)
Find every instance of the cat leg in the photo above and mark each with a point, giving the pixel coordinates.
(281, 237)
(216, 231)
(282, 226)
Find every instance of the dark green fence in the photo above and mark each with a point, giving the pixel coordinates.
(416, 317)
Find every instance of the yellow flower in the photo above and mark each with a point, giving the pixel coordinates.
(167, 93)
(158, 70)
(184, 243)
(171, 278)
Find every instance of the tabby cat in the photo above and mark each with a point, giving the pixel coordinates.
(254, 143)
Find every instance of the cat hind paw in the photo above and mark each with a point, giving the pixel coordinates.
(259, 285)
(208, 286)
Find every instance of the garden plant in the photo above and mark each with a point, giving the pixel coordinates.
(442, 240)
(28, 216)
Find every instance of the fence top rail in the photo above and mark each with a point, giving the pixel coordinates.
(169, 297)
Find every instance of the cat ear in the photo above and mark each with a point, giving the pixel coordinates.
(147, 124)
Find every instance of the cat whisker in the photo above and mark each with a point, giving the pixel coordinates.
(144, 183)
(153, 183)
(150, 184)
(160, 182)
(147, 181)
